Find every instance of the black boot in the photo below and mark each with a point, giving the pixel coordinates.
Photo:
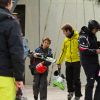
(70, 95)
(77, 98)
(35, 98)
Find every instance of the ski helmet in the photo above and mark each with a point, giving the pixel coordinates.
(40, 68)
(93, 24)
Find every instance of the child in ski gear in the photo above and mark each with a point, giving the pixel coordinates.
(70, 53)
(40, 76)
(89, 49)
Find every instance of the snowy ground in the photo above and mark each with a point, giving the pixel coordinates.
(53, 93)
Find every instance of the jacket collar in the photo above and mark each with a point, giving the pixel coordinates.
(5, 13)
(75, 35)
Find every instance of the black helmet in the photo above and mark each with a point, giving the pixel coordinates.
(93, 24)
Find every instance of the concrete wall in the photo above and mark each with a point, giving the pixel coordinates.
(76, 12)
(31, 30)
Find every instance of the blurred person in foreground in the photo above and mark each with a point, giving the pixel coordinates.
(11, 53)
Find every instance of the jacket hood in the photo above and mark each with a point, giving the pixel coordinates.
(74, 34)
(85, 30)
(5, 14)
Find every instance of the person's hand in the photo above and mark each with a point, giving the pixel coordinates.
(19, 84)
(98, 51)
(59, 66)
(42, 62)
(36, 55)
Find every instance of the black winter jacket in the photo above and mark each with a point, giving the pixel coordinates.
(11, 46)
(35, 61)
(88, 45)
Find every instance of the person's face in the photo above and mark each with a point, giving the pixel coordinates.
(66, 33)
(46, 44)
(10, 5)
(94, 31)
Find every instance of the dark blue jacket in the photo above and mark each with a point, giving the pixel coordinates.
(88, 45)
(46, 52)
(11, 46)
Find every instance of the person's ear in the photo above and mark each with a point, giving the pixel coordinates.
(9, 5)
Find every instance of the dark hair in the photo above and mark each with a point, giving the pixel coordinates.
(93, 24)
(67, 27)
(47, 39)
(4, 3)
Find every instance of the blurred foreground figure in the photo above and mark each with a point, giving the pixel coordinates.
(11, 53)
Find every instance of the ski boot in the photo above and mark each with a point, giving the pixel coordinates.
(70, 95)
(77, 98)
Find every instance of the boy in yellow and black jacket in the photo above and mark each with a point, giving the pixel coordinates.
(70, 53)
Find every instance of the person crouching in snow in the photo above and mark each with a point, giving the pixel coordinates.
(41, 69)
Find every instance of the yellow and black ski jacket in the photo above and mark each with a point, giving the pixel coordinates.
(70, 51)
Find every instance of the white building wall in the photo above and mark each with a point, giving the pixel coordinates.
(31, 30)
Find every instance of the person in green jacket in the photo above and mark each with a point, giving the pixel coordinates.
(70, 53)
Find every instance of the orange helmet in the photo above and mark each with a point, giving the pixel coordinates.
(40, 68)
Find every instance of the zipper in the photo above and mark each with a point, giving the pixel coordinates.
(70, 51)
